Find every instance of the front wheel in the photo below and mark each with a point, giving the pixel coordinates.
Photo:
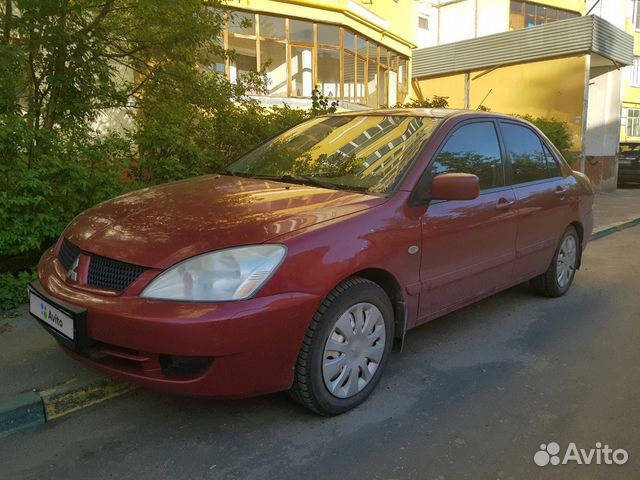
(556, 281)
(345, 349)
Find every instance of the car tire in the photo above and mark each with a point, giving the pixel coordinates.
(556, 281)
(346, 348)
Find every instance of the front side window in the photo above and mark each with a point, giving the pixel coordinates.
(528, 159)
(472, 148)
(361, 153)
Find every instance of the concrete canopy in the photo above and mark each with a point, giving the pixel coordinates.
(576, 36)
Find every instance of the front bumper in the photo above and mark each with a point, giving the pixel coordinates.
(251, 345)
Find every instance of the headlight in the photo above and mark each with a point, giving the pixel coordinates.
(232, 274)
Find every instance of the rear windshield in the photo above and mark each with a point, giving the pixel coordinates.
(362, 153)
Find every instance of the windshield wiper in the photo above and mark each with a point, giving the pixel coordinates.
(297, 179)
(300, 180)
(306, 180)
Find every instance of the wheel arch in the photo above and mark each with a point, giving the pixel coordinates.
(391, 286)
(580, 230)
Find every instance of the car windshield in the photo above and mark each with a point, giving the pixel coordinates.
(361, 153)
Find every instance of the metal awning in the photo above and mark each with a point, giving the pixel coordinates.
(564, 38)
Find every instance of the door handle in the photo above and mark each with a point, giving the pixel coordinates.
(561, 191)
(504, 204)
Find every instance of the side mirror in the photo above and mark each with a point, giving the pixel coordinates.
(455, 186)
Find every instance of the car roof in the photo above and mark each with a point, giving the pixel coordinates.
(426, 112)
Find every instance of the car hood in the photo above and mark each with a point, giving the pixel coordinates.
(159, 226)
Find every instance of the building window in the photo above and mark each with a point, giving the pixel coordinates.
(423, 22)
(301, 71)
(633, 122)
(527, 14)
(403, 79)
(244, 59)
(298, 56)
(273, 56)
(636, 14)
(634, 71)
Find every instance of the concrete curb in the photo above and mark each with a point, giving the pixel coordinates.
(30, 409)
(613, 228)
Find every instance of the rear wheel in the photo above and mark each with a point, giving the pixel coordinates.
(559, 277)
(345, 349)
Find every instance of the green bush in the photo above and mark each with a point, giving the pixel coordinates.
(13, 289)
(40, 200)
(436, 101)
(556, 130)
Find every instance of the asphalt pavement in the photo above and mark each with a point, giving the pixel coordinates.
(473, 395)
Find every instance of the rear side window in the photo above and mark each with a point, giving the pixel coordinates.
(553, 169)
(472, 148)
(530, 159)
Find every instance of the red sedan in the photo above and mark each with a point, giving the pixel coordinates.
(301, 264)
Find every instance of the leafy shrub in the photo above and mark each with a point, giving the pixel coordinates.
(556, 130)
(437, 101)
(13, 289)
(37, 202)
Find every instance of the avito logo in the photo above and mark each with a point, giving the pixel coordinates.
(49, 315)
(601, 455)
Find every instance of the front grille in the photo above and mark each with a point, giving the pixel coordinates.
(104, 273)
(112, 274)
(68, 254)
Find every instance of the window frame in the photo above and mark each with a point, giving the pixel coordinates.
(367, 60)
(635, 15)
(509, 164)
(634, 77)
(450, 135)
(517, 19)
(421, 194)
(629, 132)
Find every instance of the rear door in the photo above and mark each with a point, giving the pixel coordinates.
(468, 246)
(542, 197)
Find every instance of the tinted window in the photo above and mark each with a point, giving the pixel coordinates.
(528, 160)
(473, 149)
(553, 169)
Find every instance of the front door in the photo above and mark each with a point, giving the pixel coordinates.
(468, 247)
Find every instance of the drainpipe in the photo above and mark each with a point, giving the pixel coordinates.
(585, 111)
(467, 90)
(475, 19)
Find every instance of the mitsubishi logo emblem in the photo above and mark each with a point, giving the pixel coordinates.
(72, 273)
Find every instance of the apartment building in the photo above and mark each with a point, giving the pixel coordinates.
(630, 124)
(355, 51)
